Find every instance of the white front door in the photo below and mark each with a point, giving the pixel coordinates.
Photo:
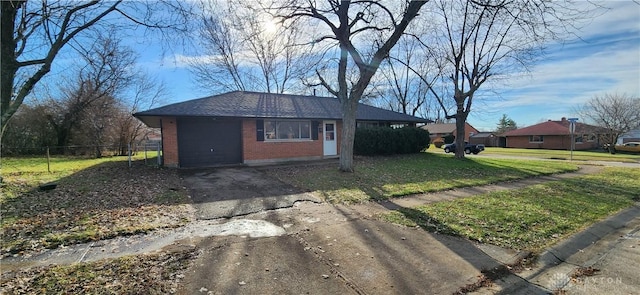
(330, 146)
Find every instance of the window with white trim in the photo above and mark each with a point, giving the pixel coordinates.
(536, 138)
(287, 130)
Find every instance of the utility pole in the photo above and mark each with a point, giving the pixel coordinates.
(572, 129)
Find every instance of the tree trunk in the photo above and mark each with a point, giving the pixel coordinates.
(349, 108)
(8, 61)
(461, 119)
(98, 151)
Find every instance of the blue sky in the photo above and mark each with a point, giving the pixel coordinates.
(604, 59)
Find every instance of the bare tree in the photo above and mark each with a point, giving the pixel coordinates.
(403, 90)
(104, 73)
(144, 93)
(96, 122)
(364, 32)
(28, 131)
(33, 33)
(615, 113)
(483, 39)
(246, 50)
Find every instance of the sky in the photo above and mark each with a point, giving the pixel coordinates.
(603, 58)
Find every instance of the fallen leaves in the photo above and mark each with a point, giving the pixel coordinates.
(96, 203)
(157, 273)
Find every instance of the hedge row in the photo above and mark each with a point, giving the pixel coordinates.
(389, 141)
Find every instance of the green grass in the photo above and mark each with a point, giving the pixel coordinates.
(95, 199)
(531, 218)
(596, 155)
(60, 164)
(387, 177)
(157, 273)
(24, 173)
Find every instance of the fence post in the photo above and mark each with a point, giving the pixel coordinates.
(129, 152)
(158, 154)
(48, 161)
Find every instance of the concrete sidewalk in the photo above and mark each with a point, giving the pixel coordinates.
(602, 259)
(330, 250)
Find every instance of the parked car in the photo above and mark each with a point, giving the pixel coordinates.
(633, 147)
(468, 148)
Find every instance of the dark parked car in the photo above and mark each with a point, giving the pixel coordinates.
(468, 148)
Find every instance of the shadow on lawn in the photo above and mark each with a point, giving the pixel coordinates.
(105, 186)
(380, 178)
(98, 202)
(462, 248)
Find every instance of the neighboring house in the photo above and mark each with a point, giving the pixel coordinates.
(251, 128)
(554, 135)
(490, 139)
(631, 136)
(441, 130)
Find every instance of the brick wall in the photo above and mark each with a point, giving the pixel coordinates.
(170, 141)
(551, 142)
(255, 151)
(467, 131)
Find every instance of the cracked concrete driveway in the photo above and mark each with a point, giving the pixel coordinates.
(228, 192)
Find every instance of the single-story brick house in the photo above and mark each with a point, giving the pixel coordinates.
(252, 128)
(633, 135)
(440, 130)
(554, 135)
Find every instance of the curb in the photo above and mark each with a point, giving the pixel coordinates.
(561, 252)
(559, 257)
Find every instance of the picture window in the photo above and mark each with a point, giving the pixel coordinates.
(287, 130)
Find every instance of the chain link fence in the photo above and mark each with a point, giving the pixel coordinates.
(149, 151)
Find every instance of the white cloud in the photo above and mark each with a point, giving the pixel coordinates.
(605, 60)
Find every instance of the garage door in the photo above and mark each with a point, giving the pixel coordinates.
(206, 142)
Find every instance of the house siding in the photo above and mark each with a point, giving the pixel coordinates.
(257, 152)
(551, 142)
(169, 142)
(468, 129)
(488, 141)
(440, 135)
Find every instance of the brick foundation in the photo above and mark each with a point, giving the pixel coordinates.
(169, 142)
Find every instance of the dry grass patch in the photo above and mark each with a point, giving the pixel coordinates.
(158, 273)
(98, 202)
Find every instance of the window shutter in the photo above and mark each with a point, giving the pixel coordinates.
(314, 129)
(260, 130)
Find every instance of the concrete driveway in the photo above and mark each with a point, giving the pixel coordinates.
(227, 192)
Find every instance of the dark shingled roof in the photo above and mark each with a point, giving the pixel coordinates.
(483, 134)
(242, 104)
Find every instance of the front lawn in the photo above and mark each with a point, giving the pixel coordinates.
(95, 199)
(386, 177)
(158, 273)
(531, 218)
(595, 155)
